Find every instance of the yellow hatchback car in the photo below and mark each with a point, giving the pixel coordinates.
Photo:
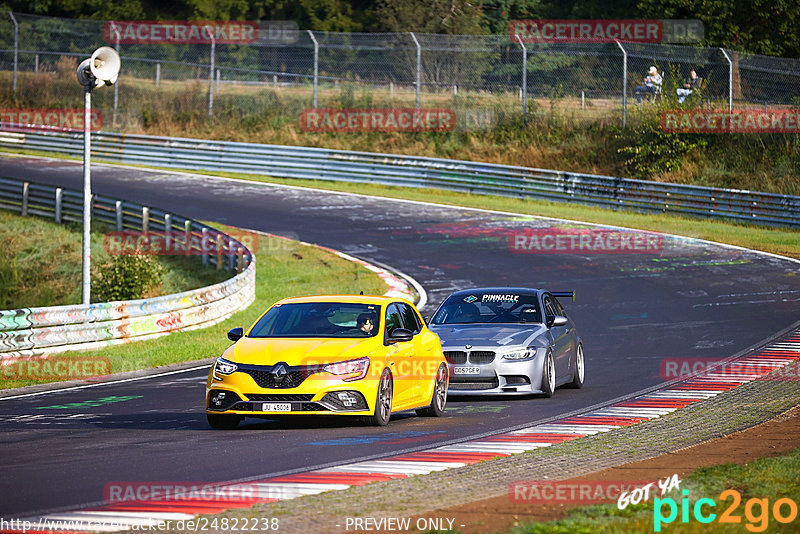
(329, 355)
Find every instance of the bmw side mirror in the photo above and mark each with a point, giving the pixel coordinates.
(236, 334)
(400, 335)
(559, 320)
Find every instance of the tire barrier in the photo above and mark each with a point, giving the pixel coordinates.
(32, 332)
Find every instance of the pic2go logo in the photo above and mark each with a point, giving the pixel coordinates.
(756, 511)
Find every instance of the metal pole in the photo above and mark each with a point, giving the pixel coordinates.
(16, 47)
(316, 64)
(158, 73)
(730, 79)
(624, 84)
(524, 77)
(419, 65)
(87, 194)
(116, 85)
(211, 72)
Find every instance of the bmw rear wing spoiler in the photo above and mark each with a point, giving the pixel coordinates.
(564, 294)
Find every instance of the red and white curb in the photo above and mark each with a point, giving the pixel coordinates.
(742, 370)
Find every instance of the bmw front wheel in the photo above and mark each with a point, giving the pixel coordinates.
(548, 375)
(578, 369)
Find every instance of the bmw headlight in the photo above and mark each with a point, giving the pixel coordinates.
(223, 367)
(519, 355)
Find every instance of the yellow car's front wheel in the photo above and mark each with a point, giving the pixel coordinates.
(439, 398)
(383, 401)
(223, 421)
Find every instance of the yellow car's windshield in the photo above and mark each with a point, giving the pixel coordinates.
(319, 319)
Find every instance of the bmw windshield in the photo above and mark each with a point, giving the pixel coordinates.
(489, 308)
(319, 319)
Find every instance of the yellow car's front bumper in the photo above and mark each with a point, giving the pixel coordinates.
(319, 393)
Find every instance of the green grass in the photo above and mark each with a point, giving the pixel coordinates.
(283, 268)
(765, 478)
(41, 264)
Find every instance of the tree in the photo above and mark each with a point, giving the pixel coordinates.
(430, 16)
(770, 27)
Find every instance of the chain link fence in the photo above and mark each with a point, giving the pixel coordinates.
(327, 69)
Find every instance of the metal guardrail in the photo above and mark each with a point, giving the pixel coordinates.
(411, 171)
(36, 331)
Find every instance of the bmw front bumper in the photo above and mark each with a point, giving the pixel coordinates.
(498, 377)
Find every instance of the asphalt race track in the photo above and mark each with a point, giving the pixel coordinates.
(687, 300)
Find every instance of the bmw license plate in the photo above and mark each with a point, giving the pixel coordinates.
(466, 370)
(276, 407)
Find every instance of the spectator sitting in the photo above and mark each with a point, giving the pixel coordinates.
(689, 85)
(651, 84)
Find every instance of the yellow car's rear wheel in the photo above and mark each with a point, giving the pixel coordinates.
(383, 401)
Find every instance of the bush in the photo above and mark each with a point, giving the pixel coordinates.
(126, 277)
(647, 150)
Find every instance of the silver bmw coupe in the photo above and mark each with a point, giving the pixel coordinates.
(508, 340)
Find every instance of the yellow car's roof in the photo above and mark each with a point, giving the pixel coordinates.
(357, 299)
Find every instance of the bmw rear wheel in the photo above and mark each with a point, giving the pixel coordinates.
(436, 409)
(548, 375)
(223, 421)
(383, 402)
(578, 369)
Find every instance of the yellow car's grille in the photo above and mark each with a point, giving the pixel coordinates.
(267, 379)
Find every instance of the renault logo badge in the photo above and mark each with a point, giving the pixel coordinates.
(279, 371)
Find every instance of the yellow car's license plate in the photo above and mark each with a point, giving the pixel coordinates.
(276, 407)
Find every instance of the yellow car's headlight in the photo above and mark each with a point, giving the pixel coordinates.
(223, 367)
(349, 370)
